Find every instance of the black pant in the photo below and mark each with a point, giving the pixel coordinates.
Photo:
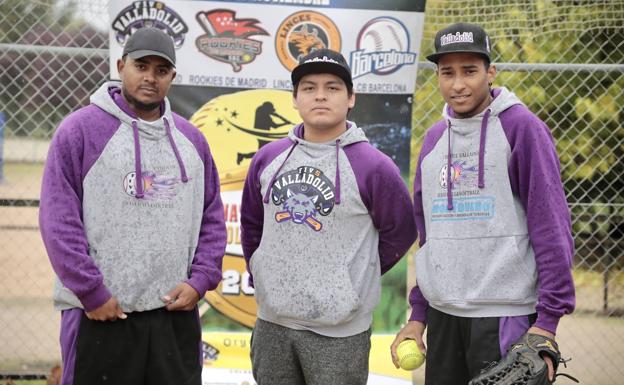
(156, 347)
(459, 347)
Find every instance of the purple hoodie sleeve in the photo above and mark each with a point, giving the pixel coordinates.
(78, 142)
(417, 301)
(252, 214)
(252, 208)
(419, 305)
(387, 199)
(207, 262)
(535, 177)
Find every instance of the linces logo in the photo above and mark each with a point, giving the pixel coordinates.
(382, 48)
(226, 38)
(149, 14)
(304, 32)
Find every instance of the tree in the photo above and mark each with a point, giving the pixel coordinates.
(583, 107)
(40, 87)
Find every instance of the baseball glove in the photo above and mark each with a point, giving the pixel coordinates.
(524, 364)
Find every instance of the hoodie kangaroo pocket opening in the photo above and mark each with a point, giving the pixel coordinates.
(324, 297)
(493, 270)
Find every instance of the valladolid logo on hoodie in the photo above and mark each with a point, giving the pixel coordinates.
(149, 14)
(303, 194)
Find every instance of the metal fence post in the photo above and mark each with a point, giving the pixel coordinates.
(2, 146)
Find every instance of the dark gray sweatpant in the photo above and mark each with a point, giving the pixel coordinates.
(280, 355)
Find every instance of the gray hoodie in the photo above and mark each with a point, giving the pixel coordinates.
(129, 208)
(320, 223)
(492, 218)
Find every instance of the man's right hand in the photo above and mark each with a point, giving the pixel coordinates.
(413, 330)
(110, 311)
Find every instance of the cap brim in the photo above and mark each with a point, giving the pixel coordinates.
(321, 68)
(436, 56)
(146, 52)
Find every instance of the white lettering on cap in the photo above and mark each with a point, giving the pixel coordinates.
(323, 59)
(458, 37)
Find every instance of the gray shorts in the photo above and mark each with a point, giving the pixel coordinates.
(280, 355)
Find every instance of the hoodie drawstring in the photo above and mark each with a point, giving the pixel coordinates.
(176, 152)
(484, 124)
(449, 180)
(268, 190)
(137, 161)
(337, 180)
(137, 157)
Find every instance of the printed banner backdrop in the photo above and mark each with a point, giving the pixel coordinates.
(233, 82)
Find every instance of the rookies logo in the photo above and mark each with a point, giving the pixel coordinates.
(226, 37)
(303, 193)
(149, 14)
(382, 48)
(304, 32)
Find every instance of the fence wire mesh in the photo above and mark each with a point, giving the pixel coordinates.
(562, 58)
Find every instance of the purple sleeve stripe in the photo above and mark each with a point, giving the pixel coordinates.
(76, 146)
(207, 262)
(419, 305)
(387, 199)
(70, 326)
(535, 178)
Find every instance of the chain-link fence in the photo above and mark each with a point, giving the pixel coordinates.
(562, 58)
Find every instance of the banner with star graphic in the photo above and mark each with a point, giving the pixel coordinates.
(234, 60)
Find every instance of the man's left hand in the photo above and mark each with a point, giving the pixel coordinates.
(547, 359)
(183, 297)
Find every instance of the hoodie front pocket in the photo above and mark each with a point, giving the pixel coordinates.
(322, 295)
(490, 270)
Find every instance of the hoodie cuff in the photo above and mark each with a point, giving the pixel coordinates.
(547, 322)
(203, 283)
(95, 298)
(419, 314)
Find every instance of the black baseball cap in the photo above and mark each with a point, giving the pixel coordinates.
(322, 61)
(150, 41)
(461, 37)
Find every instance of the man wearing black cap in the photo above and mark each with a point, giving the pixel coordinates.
(323, 215)
(493, 223)
(133, 224)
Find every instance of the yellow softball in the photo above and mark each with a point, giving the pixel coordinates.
(410, 357)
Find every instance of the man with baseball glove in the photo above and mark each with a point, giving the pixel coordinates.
(524, 364)
(494, 228)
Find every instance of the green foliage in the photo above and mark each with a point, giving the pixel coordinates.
(389, 315)
(583, 108)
